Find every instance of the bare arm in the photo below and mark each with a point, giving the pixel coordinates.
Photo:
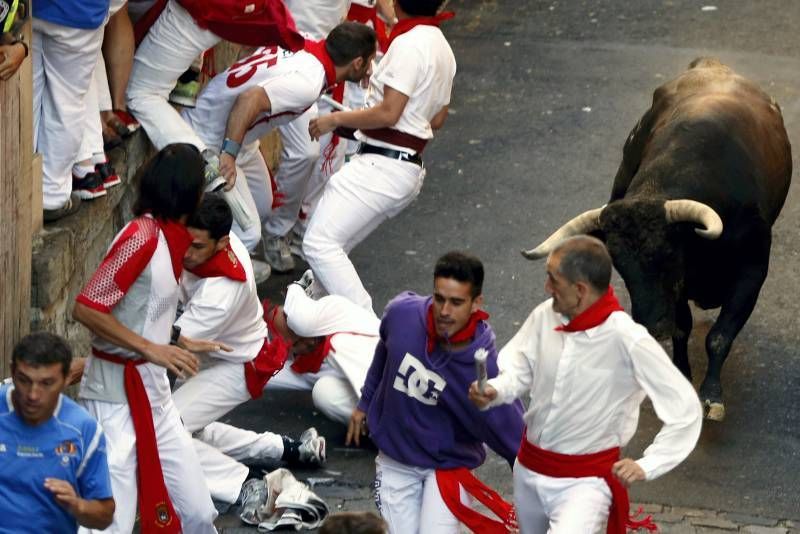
(105, 325)
(383, 115)
(438, 120)
(386, 11)
(248, 106)
(89, 513)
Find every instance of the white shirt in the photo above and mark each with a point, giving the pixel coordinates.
(421, 65)
(220, 309)
(147, 308)
(586, 387)
(354, 330)
(293, 83)
(315, 19)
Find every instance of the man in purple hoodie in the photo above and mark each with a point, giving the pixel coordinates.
(415, 405)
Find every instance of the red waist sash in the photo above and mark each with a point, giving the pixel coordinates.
(155, 507)
(269, 361)
(451, 480)
(396, 137)
(598, 464)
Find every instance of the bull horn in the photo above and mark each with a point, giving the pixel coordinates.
(582, 224)
(685, 210)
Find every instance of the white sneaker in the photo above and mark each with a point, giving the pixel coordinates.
(312, 447)
(306, 281)
(261, 270)
(296, 245)
(278, 255)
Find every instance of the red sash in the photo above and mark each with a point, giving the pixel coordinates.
(269, 361)
(597, 464)
(450, 481)
(396, 137)
(155, 507)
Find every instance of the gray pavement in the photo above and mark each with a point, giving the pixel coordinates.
(545, 96)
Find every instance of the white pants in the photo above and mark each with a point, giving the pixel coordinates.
(98, 98)
(255, 170)
(63, 62)
(171, 45)
(298, 155)
(408, 498)
(548, 505)
(202, 400)
(368, 190)
(331, 159)
(179, 463)
(331, 392)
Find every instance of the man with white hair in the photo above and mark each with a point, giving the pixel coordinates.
(587, 366)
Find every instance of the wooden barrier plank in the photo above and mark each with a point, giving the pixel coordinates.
(16, 140)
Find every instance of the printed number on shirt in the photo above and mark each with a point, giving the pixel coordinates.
(243, 70)
(417, 382)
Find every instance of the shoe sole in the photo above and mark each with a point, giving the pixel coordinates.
(112, 182)
(183, 101)
(89, 194)
(281, 266)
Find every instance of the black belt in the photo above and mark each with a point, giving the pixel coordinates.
(390, 153)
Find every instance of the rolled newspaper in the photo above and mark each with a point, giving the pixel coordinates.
(480, 368)
(216, 183)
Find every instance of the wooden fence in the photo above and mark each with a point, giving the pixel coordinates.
(20, 207)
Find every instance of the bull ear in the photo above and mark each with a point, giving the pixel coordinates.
(685, 210)
(585, 223)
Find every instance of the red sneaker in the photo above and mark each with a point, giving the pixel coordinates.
(107, 174)
(88, 187)
(127, 119)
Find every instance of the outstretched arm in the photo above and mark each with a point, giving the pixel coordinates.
(248, 106)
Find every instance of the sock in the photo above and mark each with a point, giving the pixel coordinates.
(82, 170)
(291, 450)
(189, 76)
(98, 158)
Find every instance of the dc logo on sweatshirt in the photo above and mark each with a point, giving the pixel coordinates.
(417, 382)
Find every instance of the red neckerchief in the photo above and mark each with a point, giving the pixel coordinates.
(405, 25)
(317, 49)
(178, 241)
(465, 334)
(595, 314)
(310, 362)
(223, 263)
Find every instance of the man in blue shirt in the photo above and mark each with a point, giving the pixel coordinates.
(53, 467)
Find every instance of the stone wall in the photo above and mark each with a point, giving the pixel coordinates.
(66, 253)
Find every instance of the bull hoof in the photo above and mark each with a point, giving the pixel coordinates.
(714, 411)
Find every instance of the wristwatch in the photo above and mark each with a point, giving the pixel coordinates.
(176, 334)
(229, 146)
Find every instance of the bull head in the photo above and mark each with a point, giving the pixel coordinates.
(645, 244)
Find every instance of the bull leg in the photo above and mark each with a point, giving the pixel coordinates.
(732, 317)
(680, 341)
